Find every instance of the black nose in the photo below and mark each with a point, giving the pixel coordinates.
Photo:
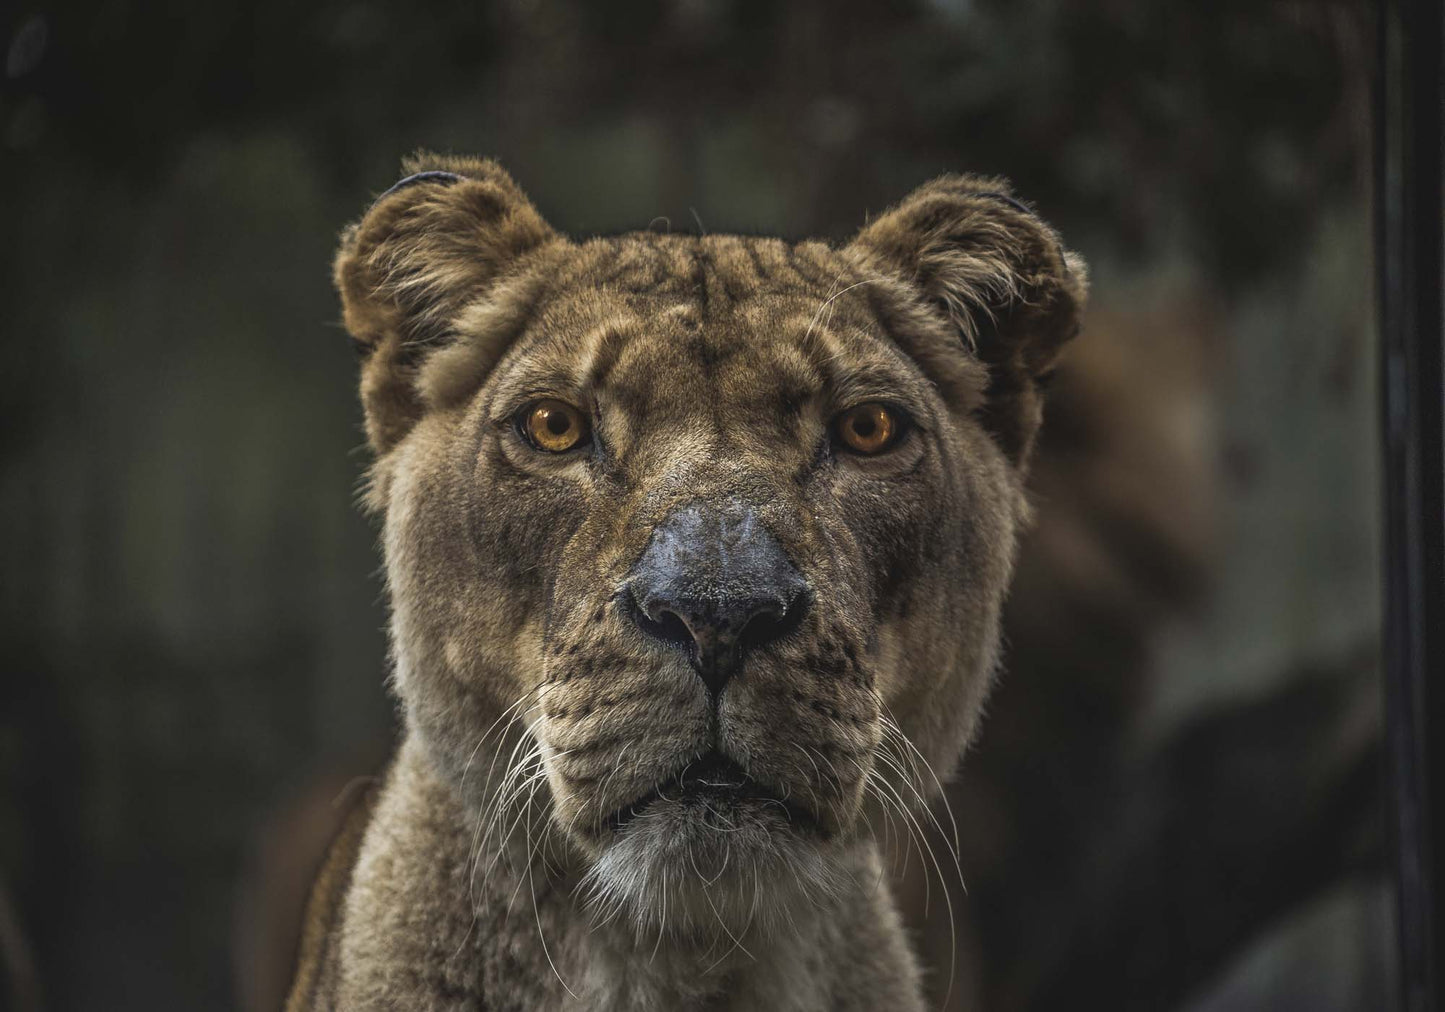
(714, 581)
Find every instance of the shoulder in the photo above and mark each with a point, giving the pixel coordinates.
(325, 909)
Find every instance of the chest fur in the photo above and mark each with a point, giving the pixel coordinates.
(421, 920)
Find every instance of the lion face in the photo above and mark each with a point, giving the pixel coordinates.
(696, 546)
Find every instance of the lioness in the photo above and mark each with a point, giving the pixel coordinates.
(696, 548)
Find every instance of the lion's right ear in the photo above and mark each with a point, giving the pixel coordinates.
(433, 244)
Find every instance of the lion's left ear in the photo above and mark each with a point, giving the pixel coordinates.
(999, 275)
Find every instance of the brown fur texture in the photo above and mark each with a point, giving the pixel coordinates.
(497, 870)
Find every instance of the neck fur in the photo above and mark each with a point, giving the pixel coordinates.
(430, 915)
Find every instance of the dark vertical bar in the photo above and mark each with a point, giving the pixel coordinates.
(1408, 230)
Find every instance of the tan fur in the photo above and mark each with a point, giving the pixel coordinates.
(317, 958)
(493, 874)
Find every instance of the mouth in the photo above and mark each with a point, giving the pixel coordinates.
(713, 790)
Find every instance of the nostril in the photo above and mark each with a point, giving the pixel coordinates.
(659, 621)
(772, 623)
(669, 626)
(761, 628)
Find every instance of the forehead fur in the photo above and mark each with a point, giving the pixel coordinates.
(738, 320)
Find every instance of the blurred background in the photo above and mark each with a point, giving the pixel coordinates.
(1176, 802)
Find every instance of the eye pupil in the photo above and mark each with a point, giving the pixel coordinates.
(865, 427)
(557, 423)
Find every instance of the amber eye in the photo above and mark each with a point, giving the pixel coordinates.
(869, 428)
(554, 426)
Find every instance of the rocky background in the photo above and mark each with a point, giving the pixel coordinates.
(1176, 800)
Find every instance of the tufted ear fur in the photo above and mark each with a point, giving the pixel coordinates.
(445, 236)
(1001, 278)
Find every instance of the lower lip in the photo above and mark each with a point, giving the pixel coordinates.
(796, 815)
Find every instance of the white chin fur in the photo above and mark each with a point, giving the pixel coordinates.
(682, 867)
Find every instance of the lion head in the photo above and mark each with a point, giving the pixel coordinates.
(696, 545)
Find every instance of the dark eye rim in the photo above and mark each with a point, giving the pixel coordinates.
(519, 424)
(902, 420)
